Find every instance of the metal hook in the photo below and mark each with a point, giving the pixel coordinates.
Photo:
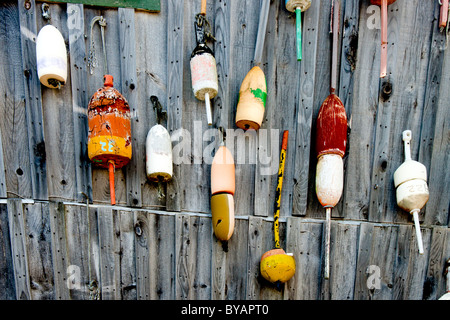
(45, 12)
(161, 114)
(92, 61)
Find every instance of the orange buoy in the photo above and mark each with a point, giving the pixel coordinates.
(222, 189)
(109, 139)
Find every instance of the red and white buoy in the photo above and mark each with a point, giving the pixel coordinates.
(331, 142)
(410, 180)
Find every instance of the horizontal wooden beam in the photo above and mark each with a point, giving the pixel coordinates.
(149, 5)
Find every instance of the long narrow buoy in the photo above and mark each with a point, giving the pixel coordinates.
(276, 265)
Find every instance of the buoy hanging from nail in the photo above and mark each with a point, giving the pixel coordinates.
(298, 6)
(51, 57)
(276, 265)
(410, 180)
(222, 189)
(331, 142)
(253, 91)
(203, 64)
(109, 138)
(383, 55)
(158, 146)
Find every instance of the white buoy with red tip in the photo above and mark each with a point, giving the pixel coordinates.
(410, 180)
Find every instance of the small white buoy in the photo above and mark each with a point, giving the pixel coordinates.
(51, 57)
(158, 147)
(410, 180)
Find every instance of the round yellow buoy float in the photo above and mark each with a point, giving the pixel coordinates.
(222, 189)
(276, 265)
(51, 57)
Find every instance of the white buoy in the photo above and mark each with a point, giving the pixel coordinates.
(158, 161)
(410, 180)
(51, 57)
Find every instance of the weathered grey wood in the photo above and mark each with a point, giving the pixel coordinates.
(13, 123)
(125, 233)
(80, 99)
(33, 100)
(162, 244)
(141, 228)
(306, 106)
(59, 124)
(304, 240)
(175, 74)
(408, 57)
(364, 102)
(18, 249)
(39, 252)
(349, 48)
(127, 50)
(7, 284)
(434, 139)
(343, 259)
(376, 261)
(434, 283)
(59, 250)
(151, 80)
(410, 267)
(109, 244)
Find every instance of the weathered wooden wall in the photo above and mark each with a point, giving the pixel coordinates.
(148, 247)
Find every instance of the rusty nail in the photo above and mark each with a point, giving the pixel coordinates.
(27, 5)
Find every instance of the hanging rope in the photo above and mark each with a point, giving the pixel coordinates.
(92, 60)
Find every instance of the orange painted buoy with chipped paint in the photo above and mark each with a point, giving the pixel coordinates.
(109, 139)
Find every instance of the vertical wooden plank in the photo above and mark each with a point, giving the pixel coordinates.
(434, 285)
(58, 123)
(162, 244)
(304, 240)
(343, 258)
(80, 99)
(349, 47)
(410, 267)
(376, 260)
(127, 254)
(109, 254)
(196, 183)
(141, 227)
(127, 48)
(151, 80)
(193, 257)
(364, 102)
(175, 74)
(7, 284)
(38, 243)
(305, 88)
(33, 105)
(59, 250)
(13, 123)
(434, 140)
(408, 60)
(18, 249)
